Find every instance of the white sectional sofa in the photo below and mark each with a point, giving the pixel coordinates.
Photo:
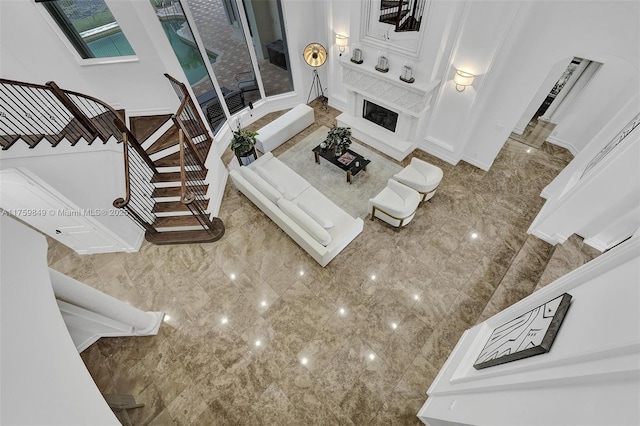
(312, 220)
(284, 128)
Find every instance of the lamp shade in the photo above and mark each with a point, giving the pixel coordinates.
(314, 54)
(342, 40)
(462, 79)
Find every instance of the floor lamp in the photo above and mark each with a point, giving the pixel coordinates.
(315, 55)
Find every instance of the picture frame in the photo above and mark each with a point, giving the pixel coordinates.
(530, 334)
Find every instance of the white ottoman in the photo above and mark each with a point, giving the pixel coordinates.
(421, 176)
(284, 128)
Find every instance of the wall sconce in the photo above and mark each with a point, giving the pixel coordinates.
(341, 42)
(463, 79)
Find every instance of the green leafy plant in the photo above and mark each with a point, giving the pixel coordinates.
(243, 141)
(339, 138)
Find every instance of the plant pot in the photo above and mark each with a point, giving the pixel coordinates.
(248, 157)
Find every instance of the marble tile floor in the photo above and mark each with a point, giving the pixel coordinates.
(257, 333)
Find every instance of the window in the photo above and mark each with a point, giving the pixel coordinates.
(90, 27)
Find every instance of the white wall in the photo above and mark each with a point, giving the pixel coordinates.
(91, 177)
(137, 86)
(546, 33)
(598, 205)
(512, 47)
(44, 381)
(590, 376)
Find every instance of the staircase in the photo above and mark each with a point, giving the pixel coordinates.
(405, 15)
(536, 265)
(164, 155)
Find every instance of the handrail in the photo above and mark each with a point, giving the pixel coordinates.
(123, 203)
(120, 203)
(136, 145)
(180, 125)
(35, 112)
(68, 103)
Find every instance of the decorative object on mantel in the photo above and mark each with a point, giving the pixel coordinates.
(530, 334)
(356, 58)
(315, 55)
(407, 73)
(383, 64)
(338, 138)
(243, 145)
(462, 79)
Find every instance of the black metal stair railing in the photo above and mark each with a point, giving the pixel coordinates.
(34, 112)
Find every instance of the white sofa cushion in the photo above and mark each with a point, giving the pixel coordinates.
(279, 175)
(315, 212)
(305, 221)
(262, 185)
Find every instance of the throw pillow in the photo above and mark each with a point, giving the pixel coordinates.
(305, 221)
(266, 176)
(261, 185)
(315, 215)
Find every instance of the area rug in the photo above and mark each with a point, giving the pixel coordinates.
(332, 181)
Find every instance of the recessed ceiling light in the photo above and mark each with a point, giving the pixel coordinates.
(372, 357)
(342, 311)
(225, 320)
(304, 361)
(394, 325)
(258, 342)
(474, 235)
(232, 276)
(263, 303)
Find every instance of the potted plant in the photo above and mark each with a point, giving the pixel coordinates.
(339, 139)
(243, 145)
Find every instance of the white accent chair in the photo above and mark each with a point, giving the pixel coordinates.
(396, 204)
(421, 176)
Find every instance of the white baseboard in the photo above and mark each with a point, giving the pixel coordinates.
(438, 149)
(478, 164)
(563, 144)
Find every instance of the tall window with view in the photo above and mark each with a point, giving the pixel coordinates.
(90, 27)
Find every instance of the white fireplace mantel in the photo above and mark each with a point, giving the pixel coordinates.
(410, 98)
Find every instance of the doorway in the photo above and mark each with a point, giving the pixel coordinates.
(556, 102)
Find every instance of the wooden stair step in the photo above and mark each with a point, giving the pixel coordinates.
(7, 140)
(173, 160)
(144, 126)
(166, 177)
(169, 207)
(175, 221)
(188, 237)
(168, 139)
(176, 191)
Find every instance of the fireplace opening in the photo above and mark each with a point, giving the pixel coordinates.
(380, 115)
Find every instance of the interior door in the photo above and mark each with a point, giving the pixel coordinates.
(29, 199)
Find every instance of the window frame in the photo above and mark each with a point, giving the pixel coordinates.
(59, 24)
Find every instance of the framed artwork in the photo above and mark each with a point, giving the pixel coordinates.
(530, 334)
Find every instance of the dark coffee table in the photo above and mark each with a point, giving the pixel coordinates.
(351, 162)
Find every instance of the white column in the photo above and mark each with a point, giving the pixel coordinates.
(84, 296)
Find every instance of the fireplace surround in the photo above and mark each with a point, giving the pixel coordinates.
(383, 111)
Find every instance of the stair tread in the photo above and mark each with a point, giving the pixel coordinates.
(173, 160)
(187, 237)
(144, 126)
(166, 177)
(176, 191)
(168, 139)
(174, 221)
(8, 140)
(170, 206)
